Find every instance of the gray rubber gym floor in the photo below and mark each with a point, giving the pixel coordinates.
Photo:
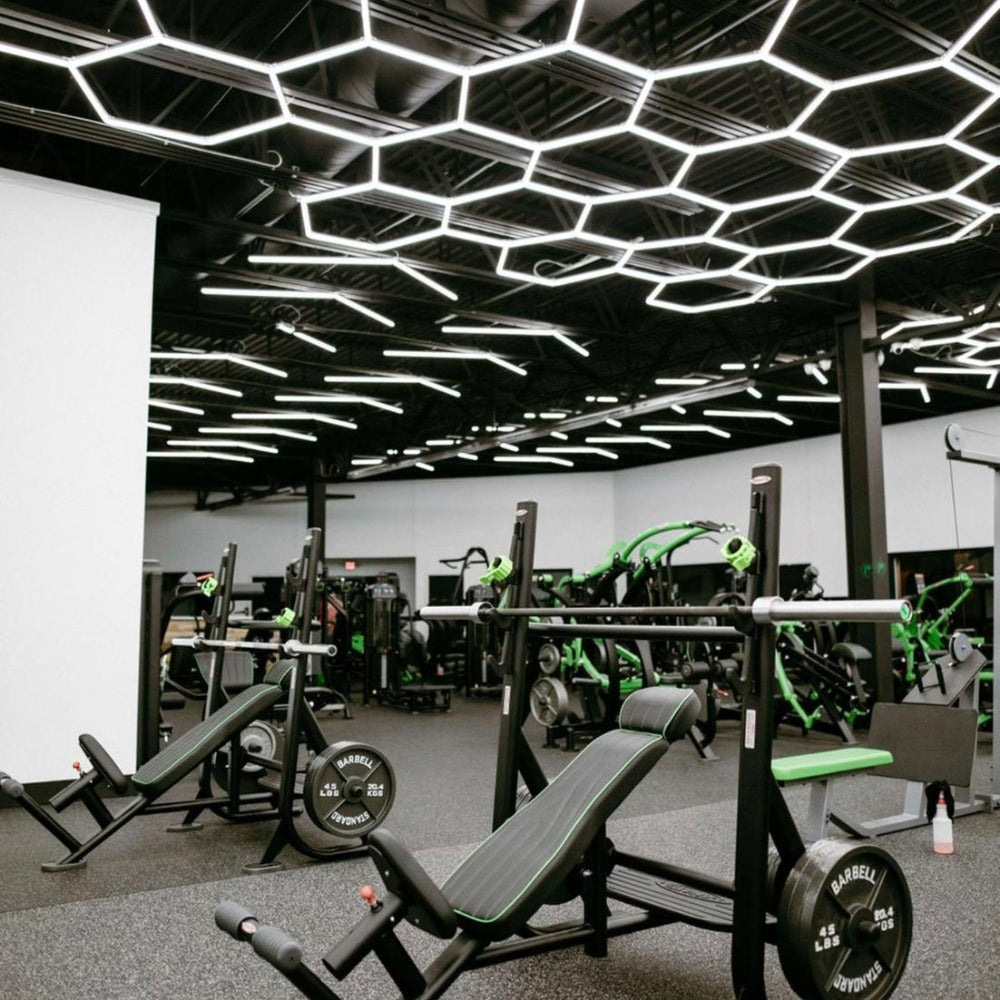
(137, 921)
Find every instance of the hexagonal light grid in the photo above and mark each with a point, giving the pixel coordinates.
(871, 211)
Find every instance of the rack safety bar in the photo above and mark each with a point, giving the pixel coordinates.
(291, 648)
(764, 610)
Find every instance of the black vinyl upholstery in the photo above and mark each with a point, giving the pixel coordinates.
(512, 873)
(183, 754)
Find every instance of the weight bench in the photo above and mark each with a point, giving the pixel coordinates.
(526, 863)
(177, 759)
(919, 743)
(819, 770)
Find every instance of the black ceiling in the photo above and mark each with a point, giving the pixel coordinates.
(585, 190)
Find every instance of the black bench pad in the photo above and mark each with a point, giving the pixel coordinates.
(183, 754)
(513, 872)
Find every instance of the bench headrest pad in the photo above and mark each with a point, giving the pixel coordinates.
(666, 711)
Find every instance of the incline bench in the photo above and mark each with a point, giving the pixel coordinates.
(152, 779)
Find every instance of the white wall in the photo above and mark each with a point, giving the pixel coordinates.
(581, 515)
(76, 268)
(425, 520)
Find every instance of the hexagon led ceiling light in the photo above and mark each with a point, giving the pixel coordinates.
(855, 194)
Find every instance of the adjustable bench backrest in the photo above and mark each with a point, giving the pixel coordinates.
(182, 755)
(524, 862)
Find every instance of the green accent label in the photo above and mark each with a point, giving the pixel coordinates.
(209, 586)
(358, 642)
(286, 617)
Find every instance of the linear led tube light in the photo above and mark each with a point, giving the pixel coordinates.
(367, 461)
(297, 294)
(942, 370)
(348, 260)
(260, 431)
(683, 428)
(319, 398)
(916, 386)
(755, 392)
(682, 381)
(154, 426)
(548, 449)
(427, 467)
(235, 359)
(226, 443)
(628, 439)
(320, 418)
(308, 339)
(752, 415)
(559, 436)
(389, 379)
(817, 397)
(468, 456)
(435, 286)
(455, 356)
(518, 331)
(179, 407)
(507, 446)
(536, 459)
(193, 383)
(221, 455)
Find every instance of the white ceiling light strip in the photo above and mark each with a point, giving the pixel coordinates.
(297, 294)
(751, 415)
(623, 256)
(224, 443)
(534, 460)
(222, 456)
(548, 449)
(628, 439)
(347, 260)
(235, 359)
(390, 379)
(163, 404)
(319, 418)
(377, 404)
(261, 431)
(455, 356)
(194, 383)
(517, 331)
(684, 429)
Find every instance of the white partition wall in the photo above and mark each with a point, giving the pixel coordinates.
(76, 274)
(582, 514)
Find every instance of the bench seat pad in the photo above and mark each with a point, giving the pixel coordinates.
(182, 755)
(513, 872)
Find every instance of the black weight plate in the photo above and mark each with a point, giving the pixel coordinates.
(845, 923)
(348, 789)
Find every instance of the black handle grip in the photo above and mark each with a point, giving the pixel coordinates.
(9, 786)
(230, 916)
(277, 947)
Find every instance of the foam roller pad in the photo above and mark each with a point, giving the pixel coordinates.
(11, 787)
(229, 917)
(276, 947)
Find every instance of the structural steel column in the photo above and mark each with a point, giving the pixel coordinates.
(316, 507)
(864, 483)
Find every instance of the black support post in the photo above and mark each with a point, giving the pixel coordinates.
(148, 719)
(316, 508)
(864, 483)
